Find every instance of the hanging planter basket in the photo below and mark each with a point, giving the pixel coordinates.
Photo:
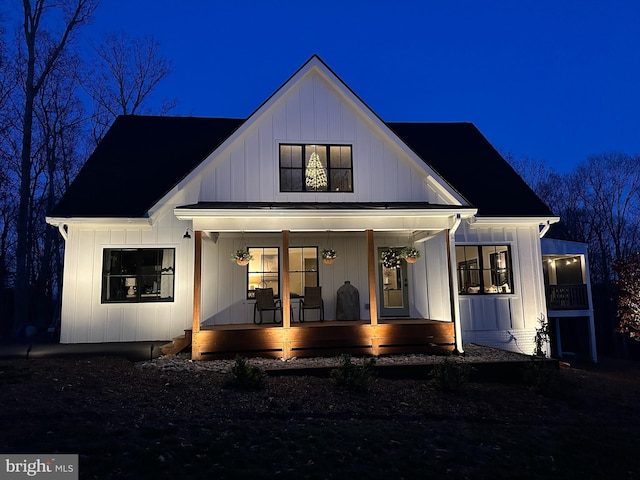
(410, 254)
(241, 257)
(390, 258)
(328, 255)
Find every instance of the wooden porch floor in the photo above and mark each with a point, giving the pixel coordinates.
(313, 338)
(317, 323)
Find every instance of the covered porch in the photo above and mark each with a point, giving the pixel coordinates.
(420, 329)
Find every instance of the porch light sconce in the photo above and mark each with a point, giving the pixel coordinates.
(187, 234)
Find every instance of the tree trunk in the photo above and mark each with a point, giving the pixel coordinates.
(21, 284)
(32, 84)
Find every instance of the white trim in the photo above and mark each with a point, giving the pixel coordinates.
(276, 220)
(194, 213)
(545, 229)
(62, 228)
(453, 271)
(512, 221)
(101, 222)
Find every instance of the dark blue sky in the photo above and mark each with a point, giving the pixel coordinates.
(555, 80)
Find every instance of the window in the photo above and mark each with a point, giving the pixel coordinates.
(263, 270)
(484, 269)
(138, 275)
(316, 168)
(303, 269)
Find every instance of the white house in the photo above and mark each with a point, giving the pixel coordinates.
(151, 220)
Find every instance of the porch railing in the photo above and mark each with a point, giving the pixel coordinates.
(567, 297)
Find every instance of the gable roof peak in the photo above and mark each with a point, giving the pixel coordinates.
(175, 148)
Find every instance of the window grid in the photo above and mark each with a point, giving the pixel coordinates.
(263, 270)
(484, 269)
(316, 168)
(133, 275)
(303, 269)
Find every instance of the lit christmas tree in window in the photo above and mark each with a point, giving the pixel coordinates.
(316, 174)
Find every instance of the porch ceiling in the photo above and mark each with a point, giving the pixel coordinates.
(233, 217)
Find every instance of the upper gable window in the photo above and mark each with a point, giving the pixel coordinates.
(316, 168)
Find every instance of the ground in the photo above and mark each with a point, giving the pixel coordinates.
(127, 421)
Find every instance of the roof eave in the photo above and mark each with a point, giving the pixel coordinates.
(499, 221)
(275, 220)
(129, 222)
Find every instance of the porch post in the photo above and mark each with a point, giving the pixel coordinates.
(197, 279)
(286, 287)
(453, 290)
(371, 263)
(286, 298)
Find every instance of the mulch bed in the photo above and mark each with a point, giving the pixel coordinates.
(126, 421)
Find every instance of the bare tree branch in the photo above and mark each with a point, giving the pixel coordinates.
(125, 74)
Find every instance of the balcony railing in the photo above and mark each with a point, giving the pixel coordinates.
(567, 297)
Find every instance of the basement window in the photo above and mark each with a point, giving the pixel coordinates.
(132, 275)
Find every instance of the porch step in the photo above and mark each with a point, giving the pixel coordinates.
(177, 344)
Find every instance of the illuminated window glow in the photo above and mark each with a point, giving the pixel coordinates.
(263, 270)
(131, 275)
(484, 269)
(316, 168)
(315, 174)
(303, 269)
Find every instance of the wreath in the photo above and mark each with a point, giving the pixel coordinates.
(390, 259)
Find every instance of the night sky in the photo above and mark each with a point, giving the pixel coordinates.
(553, 80)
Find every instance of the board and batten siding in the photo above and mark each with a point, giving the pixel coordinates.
(506, 321)
(85, 319)
(314, 112)
(436, 297)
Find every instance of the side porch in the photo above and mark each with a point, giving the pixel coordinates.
(569, 299)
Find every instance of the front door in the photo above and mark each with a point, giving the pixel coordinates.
(393, 289)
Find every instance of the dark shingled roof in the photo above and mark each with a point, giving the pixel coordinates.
(138, 161)
(466, 159)
(142, 158)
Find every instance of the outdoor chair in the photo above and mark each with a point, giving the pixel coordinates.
(265, 301)
(312, 301)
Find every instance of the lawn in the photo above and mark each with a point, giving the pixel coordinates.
(131, 422)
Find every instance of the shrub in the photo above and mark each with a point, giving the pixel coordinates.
(542, 338)
(450, 376)
(539, 375)
(356, 378)
(244, 376)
